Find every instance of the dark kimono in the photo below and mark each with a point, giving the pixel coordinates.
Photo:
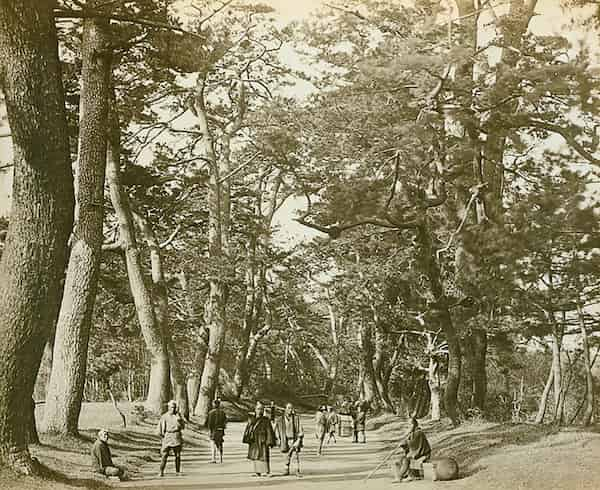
(417, 445)
(260, 438)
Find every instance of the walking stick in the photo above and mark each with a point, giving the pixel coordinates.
(387, 458)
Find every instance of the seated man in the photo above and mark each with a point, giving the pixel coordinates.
(416, 448)
(101, 458)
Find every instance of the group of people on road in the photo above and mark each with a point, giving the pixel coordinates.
(262, 433)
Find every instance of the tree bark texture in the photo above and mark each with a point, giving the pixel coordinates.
(67, 381)
(428, 259)
(219, 207)
(35, 252)
(539, 418)
(477, 350)
(43, 375)
(159, 383)
(161, 307)
(557, 378)
(371, 394)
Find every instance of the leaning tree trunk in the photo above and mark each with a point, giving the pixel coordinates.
(219, 206)
(35, 253)
(67, 380)
(159, 383)
(539, 418)
(199, 361)
(589, 380)
(161, 311)
(378, 370)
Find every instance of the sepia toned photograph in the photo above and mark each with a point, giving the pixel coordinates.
(300, 244)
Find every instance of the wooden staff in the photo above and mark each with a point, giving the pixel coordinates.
(386, 459)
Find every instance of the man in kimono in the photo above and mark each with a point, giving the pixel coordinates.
(289, 436)
(170, 426)
(217, 420)
(416, 447)
(101, 457)
(260, 438)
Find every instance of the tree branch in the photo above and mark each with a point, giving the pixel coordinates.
(60, 13)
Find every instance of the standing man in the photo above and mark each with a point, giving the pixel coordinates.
(361, 422)
(290, 435)
(260, 438)
(217, 420)
(333, 420)
(321, 427)
(102, 459)
(170, 426)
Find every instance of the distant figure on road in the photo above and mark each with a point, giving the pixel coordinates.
(321, 427)
(360, 421)
(290, 436)
(272, 412)
(170, 426)
(217, 420)
(333, 421)
(260, 438)
(102, 459)
(416, 447)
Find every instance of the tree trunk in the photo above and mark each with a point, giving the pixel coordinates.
(435, 388)
(159, 383)
(161, 308)
(371, 393)
(589, 380)
(378, 369)
(193, 388)
(429, 262)
(200, 360)
(477, 347)
(67, 380)
(35, 253)
(557, 378)
(539, 418)
(219, 207)
(43, 375)
(32, 435)
(210, 373)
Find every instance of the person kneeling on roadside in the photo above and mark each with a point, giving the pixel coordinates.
(101, 458)
(416, 448)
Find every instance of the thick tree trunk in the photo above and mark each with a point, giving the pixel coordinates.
(477, 350)
(539, 418)
(589, 380)
(161, 309)
(212, 364)
(159, 383)
(67, 381)
(378, 365)
(199, 361)
(429, 262)
(35, 252)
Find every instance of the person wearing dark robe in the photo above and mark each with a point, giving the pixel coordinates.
(289, 436)
(170, 426)
(216, 422)
(102, 459)
(416, 447)
(260, 438)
